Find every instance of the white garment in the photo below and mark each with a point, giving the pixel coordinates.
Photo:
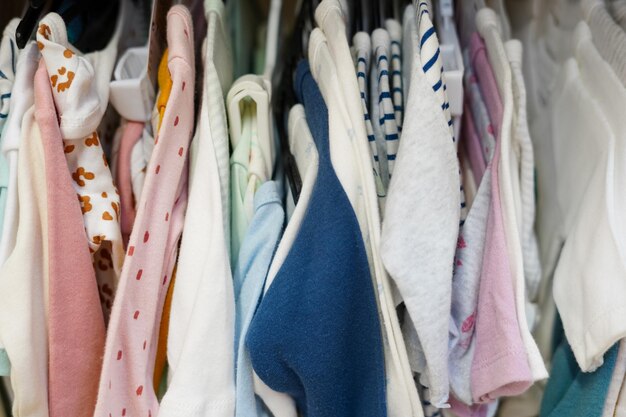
(402, 400)
(608, 37)
(202, 318)
(23, 282)
(11, 138)
(24, 74)
(421, 227)
(586, 132)
(523, 147)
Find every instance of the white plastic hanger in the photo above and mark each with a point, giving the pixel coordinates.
(131, 92)
(450, 55)
(256, 88)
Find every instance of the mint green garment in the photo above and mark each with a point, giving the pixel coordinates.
(243, 185)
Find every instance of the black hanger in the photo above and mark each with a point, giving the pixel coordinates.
(293, 49)
(27, 25)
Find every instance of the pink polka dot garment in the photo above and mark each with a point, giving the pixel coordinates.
(125, 387)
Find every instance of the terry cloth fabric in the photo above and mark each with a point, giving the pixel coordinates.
(572, 392)
(318, 355)
(202, 321)
(128, 367)
(76, 324)
(251, 270)
(80, 88)
(24, 281)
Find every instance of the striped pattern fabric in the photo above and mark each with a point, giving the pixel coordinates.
(8, 60)
(433, 68)
(386, 109)
(395, 32)
(363, 53)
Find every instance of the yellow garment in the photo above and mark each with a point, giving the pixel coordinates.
(165, 88)
(161, 356)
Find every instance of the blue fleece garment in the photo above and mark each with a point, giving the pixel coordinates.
(570, 391)
(251, 270)
(316, 334)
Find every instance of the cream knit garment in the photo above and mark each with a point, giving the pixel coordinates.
(23, 282)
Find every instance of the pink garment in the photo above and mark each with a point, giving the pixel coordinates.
(126, 386)
(123, 178)
(472, 144)
(486, 80)
(75, 319)
(500, 365)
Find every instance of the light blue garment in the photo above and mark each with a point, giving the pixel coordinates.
(255, 256)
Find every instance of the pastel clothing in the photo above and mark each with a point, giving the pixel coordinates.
(330, 58)
(129, 358)
(202, 319)
(317, 355)
(608, 37)
(516, 173)
(252, 160)
(524, 188)
(165, 89)
(420, 230)
(8, 64)
(249, 277)
(80, 90)
(76, 323)
(587, 95)
(130, 136)
(11, 137)
(24, 281)
(499, 366)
